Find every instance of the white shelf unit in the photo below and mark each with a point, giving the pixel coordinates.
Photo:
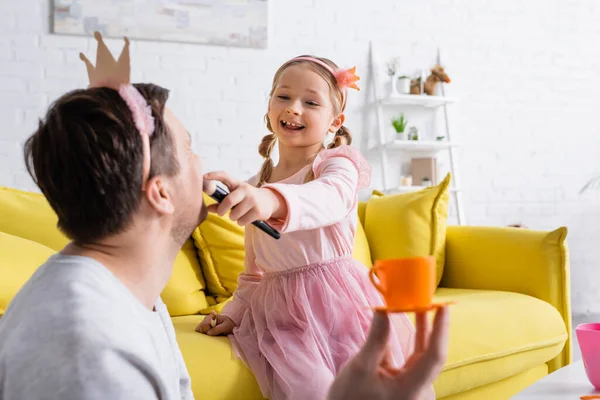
(419, 146)
(413, 148)
(407, 189)
(417, 100)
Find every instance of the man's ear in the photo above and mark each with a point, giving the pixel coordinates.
(159, 196)
(337, 123)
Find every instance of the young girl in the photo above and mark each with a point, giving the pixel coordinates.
(303, 306)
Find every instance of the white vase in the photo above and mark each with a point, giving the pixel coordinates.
(404, 85)
(400, 135)
(394, 86)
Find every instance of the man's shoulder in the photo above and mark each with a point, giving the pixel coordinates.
(65, 283)
(76, 362)
(71, 300)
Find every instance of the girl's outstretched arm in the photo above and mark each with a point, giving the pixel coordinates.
(328, 199)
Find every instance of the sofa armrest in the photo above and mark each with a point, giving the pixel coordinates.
(514, 260)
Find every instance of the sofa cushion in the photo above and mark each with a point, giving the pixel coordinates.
(409, 224)
(29, 216)
(19, 259)
(495, 335)
(504, 389)
(215, 371)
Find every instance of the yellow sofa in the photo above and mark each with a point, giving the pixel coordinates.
(510, 325)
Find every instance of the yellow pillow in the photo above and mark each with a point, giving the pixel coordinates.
(362, 212)
(409, 224)
(29, 216)
(19, 259)
(184, 293)
(220, 243)
(361, 251)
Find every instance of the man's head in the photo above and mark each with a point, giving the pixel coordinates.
(86, 157)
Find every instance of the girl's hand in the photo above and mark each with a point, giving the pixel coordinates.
(222, 326)
(247, 203)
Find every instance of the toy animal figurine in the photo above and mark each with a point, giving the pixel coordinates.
(437, 75)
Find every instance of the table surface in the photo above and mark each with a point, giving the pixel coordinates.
(569, 382)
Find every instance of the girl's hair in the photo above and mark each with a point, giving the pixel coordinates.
(342, 136)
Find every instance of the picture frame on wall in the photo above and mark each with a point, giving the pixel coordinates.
(239, 23)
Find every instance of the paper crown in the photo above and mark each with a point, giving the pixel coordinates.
(108, 72)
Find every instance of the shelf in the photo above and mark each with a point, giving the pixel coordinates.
(407, 189)
(419, 146)
(417, 100)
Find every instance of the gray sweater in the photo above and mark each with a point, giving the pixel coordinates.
(74, 331)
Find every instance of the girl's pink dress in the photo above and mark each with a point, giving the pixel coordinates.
(303, 306)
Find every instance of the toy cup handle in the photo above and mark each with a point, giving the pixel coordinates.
(372, 277)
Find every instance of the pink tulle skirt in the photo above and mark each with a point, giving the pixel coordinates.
(304, 324)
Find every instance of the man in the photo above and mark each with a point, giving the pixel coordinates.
(90, 323)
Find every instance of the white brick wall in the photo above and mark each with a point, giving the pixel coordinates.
(526, 73)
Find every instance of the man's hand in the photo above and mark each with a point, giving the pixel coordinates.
(368, 375)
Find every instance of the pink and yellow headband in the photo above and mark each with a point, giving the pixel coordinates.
(345, 78)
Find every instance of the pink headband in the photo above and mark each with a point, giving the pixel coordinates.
(143, 120)
(345, 78)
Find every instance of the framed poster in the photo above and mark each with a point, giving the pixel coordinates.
(241, 23)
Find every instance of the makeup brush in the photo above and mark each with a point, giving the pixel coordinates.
(218, 193)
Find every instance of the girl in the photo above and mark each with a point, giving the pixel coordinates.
(303, 305)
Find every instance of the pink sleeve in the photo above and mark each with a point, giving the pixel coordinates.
(339, 174)
(247, 283)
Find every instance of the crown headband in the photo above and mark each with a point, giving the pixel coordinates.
(115, 75)
(345, 78)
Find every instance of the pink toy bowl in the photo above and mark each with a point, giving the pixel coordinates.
(588, 336)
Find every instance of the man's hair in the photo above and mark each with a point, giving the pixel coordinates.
(86, 157)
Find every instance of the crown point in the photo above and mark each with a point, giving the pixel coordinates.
(82, 57)
(98, 36)
(126, 40)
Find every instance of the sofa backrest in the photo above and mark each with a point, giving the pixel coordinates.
(28, 216)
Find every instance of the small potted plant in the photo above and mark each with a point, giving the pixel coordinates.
(413, 133)
(426, 182)
(399, 125)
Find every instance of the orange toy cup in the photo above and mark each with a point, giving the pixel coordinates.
(407, 284)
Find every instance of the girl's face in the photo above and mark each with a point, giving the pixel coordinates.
(301, 110)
